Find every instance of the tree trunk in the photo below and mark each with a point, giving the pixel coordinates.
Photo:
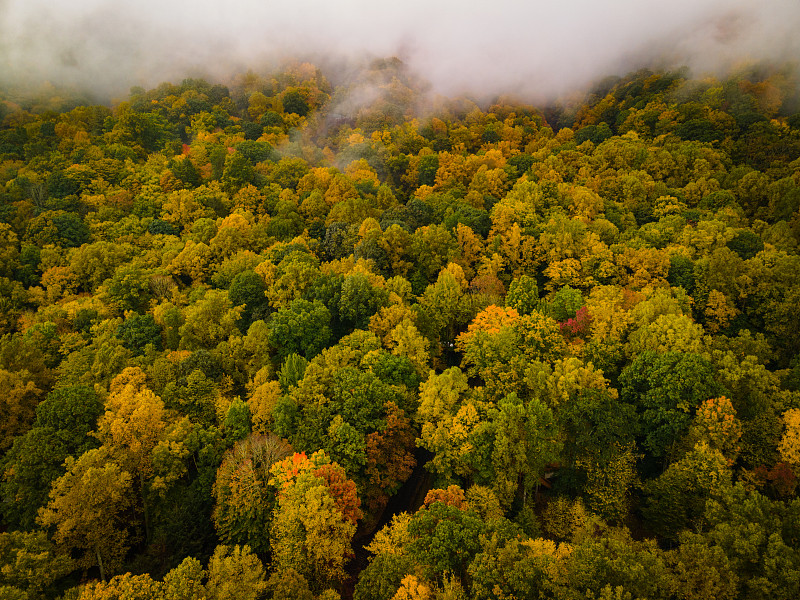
(144, 510)
(100, 563)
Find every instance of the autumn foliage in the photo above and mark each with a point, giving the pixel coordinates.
(303, 336)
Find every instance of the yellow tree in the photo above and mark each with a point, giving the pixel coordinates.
(470, 249)
(668, 333)
(412, 588)
(490, 320)
(20, 396)
(719, 311)
(134, 422)
(194, 261)
(315, 518)
(135, 587)
(406, 340)
(789, 446)
(210, 320)
(448, 419)
(87, 510)
(717, 425)
(235, 573)
(396, 242)
(492, 351)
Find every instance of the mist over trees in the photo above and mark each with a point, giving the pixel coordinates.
(301, 336)
(540, 50)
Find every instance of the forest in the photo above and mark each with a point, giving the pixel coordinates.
(285, 338)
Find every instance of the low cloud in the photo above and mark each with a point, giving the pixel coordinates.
(538, 49)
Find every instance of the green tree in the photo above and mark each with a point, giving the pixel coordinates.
(248, 289)
(523, 294)
(137, 331)
(526, 440)
(511, 567)
(614, 561)
(129, 288)
(701, 571)
(360, 300)
(301, 327)
(63, 421)
(758, 537)
(244, 498)
(444, 539)
(666, 390)
(237, 172)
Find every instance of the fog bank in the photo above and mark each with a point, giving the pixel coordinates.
(538, 49)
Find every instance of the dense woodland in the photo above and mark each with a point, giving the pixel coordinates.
(295, 340)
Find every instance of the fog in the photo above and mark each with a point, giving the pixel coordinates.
(534, 48)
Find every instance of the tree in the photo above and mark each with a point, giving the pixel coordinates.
(389, 462)
(668, 333)
(29, 468)
(30, 564)
(135, 587)
(244, 499)
(129, 287)
(447, 418)
(432, 248)
(137, 331)
(444, 539)
(716, 424)
(19, 404)
(292, 371)
(209, 321)
(288, 584)
(383, 576)
(301, 327)
(789, 446)
(701, 571)
(758, 537)
(185, 582)
(235, 573)
(134, 422)
(746, 244)
(194, 395)
(237, 173)
(666, 390)
(523, 294)
(617, 562)
(443, 308)
(510, 567)
(315, 518)
(564, 304)
(677, 498)
(492, 350)
(353, 402)
(526, 440)
(360, 300)
(294, 102)
(248, 289)
(87, 511)
(63, 421)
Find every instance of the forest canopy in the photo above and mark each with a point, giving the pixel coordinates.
(282, 338)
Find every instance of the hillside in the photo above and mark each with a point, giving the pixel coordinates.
(312, 336)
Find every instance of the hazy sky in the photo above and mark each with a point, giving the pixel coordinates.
(535, 47)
